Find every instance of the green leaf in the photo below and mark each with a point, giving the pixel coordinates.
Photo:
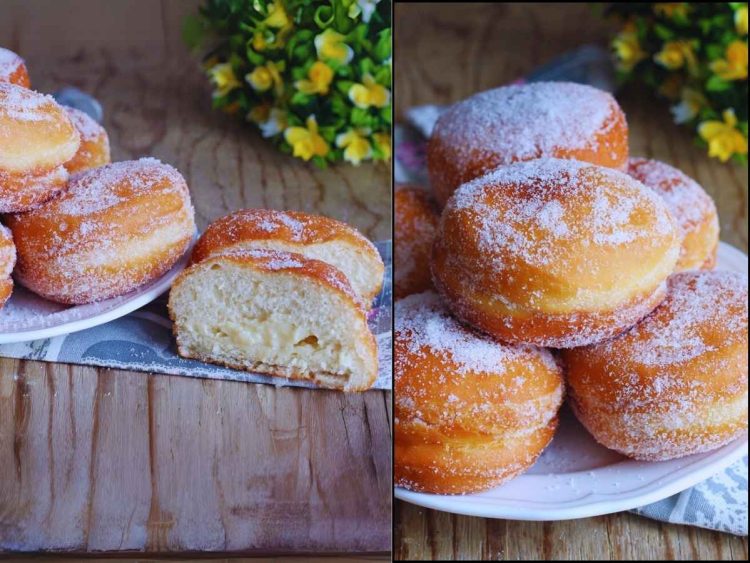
(716, 84)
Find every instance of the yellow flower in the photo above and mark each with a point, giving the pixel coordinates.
(383, 142)
(224, 79)
(676, 54)
(628, 49)
(369, 93)
(277, 16)
(671, 9)
(305, 141)
(740, 20)
(259, 42)
(330, 45)
(318, 79)
(357, 147)
(734, 67)
(723, 138)
(266, 76)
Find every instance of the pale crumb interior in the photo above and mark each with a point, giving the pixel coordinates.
(277, 323)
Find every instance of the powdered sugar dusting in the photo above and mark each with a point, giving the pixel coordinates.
(416, 224)
(9, 63)
(527, 121)
(21, 104)
(687, 200)
(426, 322)
(88, 128)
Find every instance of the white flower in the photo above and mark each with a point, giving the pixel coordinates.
(364, 7)
(275, 123)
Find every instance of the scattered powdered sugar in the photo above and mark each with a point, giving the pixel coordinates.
(87, 126)
(522, 122)
(272, 221)
(550, 201)
(20, 104)
(424, 320)
(416, 224)
(696, 302)
(686, 199)
(9, 63)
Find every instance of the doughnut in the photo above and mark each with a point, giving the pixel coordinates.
(525, 122)
(36, 135)
(7, 262)
(692, 208)
(470, 413)
(415, 225)
(676, 383)
(94, 148)
(274, 312)
(554, 252)
(115, 229)
(313, 236)
(24, 192)
(13, 69)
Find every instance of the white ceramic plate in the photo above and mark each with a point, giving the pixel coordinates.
(576, 477)
(26, 316)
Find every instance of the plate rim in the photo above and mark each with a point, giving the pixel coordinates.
(679, 479)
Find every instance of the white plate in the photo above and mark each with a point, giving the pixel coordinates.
(576, 477)
(26, 316)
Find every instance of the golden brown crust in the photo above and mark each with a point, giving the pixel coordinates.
(116, 228)
(518, 123)
(554, 252)
(416, 221)
(693, 209)
(94, 148)
(7, 263)
(296, 230)
(469, 412)
(24, 192)
(36, 134)
(676, 383)
(13, 69)
(282, 263)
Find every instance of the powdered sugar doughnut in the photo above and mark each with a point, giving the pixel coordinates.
(36, 135)
(415, 224)
(554, 252)
(524, 122)
(24, 192)
(116, 228)
(13, 69)
(693, 209)
(470, 413)
(676, 383)
(94, 148)
(7, 262)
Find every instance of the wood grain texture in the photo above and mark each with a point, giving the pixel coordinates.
(447, 52)
(95, 460)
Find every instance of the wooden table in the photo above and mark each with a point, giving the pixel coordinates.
(98, 460)
(445, 53)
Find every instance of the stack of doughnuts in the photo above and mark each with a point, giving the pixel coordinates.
(551, 236)
(81, 229)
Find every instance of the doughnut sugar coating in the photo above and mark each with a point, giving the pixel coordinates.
(313, 236)
(415, 225)
(36, 135)
(13, 69)
(470, 413)
(554, 252)
(94, 148)
(676, 383)
(23, 192)
(692, 208)
(525, 122)
(115, 229)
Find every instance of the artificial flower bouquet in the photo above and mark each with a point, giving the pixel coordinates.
(695, 55)
(314, 76)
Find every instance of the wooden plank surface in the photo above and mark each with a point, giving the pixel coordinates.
(447, 52)
(108, 460)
